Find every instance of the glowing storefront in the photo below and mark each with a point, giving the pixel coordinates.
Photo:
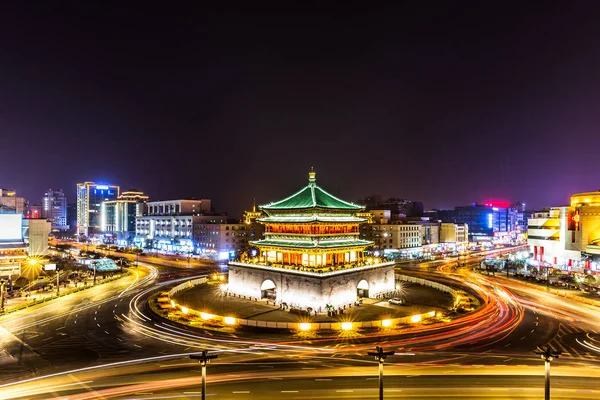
(311, 256)
(568, 237)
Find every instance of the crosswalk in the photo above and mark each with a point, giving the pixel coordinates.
(564, 341)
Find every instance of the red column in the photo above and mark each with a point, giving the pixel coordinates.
(535, 253)
(555, 261)
(570, 263)
(541, 253)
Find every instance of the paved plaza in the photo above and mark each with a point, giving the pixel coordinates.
(208, 298)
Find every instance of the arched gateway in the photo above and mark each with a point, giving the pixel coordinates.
(362, 289)
(268, 290)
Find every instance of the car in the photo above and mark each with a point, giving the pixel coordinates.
(397, 301)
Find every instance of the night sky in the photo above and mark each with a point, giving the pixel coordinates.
(448, 104)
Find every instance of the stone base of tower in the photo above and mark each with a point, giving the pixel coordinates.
(302, 289)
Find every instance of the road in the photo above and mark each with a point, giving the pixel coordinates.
(103, 342)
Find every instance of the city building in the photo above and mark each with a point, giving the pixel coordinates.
(33, 210)
(380, 216)
(13, 249)
(90, 197)
(118, 217)
(399, 209)
(255, 230)
(35, 236)
(487, 222)
(567, 237)
(311, 256)
(454, 233)
(219, 240)
(11, 203)
(170, 225)
(54, 209)
(178, 207)
(430, 232)
(405, 237)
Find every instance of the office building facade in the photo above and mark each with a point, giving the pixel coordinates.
(118, 217)
(90, 197)
(169, 226)
(54, 209)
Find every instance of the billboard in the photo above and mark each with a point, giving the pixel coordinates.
(50, 267)
(11, 227)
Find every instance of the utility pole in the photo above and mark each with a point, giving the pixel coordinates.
(547, 355)
(380, 356)
(203, 358)
(94, 263)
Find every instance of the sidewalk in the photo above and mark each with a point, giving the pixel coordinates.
(41, 296)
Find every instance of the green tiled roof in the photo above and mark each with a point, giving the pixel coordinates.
(311, 196)
(305, 244)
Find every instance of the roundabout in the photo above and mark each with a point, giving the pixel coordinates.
(206, 304)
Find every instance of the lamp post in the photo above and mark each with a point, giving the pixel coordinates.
(94, 263)
(380, 356)
(57, 282)
(203, 358)
(2, 282)
(547, 355)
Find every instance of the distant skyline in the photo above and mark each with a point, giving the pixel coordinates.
(448, 104)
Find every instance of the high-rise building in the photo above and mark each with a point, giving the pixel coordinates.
(54, 209)
(10, 203)
(118, 217)
(90, 197)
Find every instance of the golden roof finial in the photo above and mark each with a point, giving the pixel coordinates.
(312, 175)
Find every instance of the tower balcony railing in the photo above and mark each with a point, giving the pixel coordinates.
(319, 271)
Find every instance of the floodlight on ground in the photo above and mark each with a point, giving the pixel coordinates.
(304, 326)
(347, 326)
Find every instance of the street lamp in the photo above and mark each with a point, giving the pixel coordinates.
(547, 355)
(380, 356)
(94, 264)
(2, 283)
(57, 282)
(203, 358)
